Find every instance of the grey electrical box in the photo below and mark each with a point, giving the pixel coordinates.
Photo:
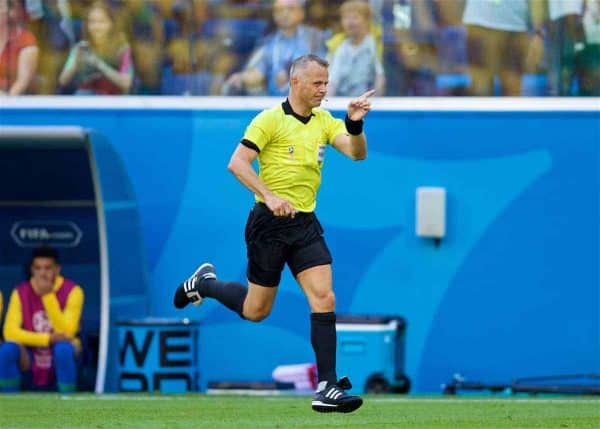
(431, 212)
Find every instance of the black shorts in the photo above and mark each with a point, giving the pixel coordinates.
(272, 241)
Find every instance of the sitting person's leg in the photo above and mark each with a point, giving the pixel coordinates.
(10, 367)
(65, 366)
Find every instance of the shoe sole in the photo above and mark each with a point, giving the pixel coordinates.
(348, 407)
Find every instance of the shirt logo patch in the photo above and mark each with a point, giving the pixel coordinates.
(41, 323)
(291, 152)
(321, 155)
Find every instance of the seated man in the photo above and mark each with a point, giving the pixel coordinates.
(40, 330)
(266, 72)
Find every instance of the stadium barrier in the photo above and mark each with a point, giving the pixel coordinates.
(509, 292)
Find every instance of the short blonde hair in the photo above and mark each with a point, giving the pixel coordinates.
(302, 62)
(356, 6)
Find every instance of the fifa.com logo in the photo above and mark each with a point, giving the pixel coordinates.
(53, 233)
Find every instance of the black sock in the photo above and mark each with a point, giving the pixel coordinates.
(323, 339)
(230, 294)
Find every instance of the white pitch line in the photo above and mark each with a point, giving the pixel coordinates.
(475, 400)
(484, 400)
(121, 397)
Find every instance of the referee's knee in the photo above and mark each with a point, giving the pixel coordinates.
(256, 313)
(323, 302)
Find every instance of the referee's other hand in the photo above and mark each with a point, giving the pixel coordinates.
(360, 106)
(280, 206)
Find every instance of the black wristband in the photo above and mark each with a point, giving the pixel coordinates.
(354, 127)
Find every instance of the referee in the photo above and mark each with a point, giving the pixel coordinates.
(289, 141)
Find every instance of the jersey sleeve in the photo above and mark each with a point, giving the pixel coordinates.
(259, 130)
(334, 127)
(67, 321)
(13, 330)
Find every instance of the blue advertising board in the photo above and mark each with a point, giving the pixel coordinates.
(511, 290)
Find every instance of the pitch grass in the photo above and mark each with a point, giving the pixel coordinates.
(148, 411)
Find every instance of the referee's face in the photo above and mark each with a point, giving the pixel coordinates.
(312, 84)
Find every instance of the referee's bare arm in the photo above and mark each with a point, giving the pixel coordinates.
(354, 145)
(240, 165)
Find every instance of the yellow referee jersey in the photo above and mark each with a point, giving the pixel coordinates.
(291, 151)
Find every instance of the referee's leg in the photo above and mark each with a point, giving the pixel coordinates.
(259, 301)
(316, 282)
(330, 395)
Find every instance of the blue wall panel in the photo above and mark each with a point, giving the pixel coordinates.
(513, 290)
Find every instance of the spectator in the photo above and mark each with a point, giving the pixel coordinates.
(56, 33)
(499, 44)
(100, 64)
(18, 50)
(356, 64)
(588, 60)
(416, 30)
(207, 42)
(323, 15)
(41, 327)
(144, 29)
(178, 28)
(451, 45)
(268, 68)
(230, 36)
(565, 37)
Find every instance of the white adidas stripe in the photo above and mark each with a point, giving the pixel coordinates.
(323, 404)
(334, 394)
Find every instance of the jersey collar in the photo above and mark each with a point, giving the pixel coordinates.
(287, 109)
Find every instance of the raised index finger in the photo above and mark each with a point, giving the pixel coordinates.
(368, 94)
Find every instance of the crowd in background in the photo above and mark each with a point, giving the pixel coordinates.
(232, 47)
